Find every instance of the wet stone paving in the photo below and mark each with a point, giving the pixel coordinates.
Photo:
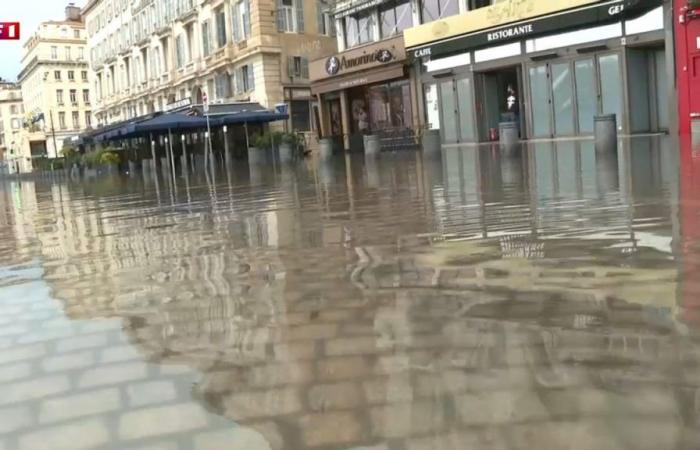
(461, 301)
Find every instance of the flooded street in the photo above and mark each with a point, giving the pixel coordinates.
(464, 301)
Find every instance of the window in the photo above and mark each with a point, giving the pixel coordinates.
(57, 75)
(324, 20)
(437, 9)
(86, 96)
(81, 53)
(298, 67)
(290, 16)
(476, 4)
(359, 28)
(395, 17)
(243, 79)
(223, 85)
(76, 34)
(300, 115)
(241, 20)
(13, 110)
(67, 51)
(179, 51)
(71, 75)
(59, 96)
(54, 52)
(83, 75)
(62, 120)
(206, 40)
(73, 96)
(76, 120)
(88, 119)
(15, 124)
(220, 29)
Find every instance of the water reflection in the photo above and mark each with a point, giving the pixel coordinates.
(468, 300)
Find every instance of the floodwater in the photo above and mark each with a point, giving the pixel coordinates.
(464, 301)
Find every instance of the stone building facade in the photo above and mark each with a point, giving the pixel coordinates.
(150, 53)
(11, 121)
(55, 86)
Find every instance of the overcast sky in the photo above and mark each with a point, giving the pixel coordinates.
(29, 13)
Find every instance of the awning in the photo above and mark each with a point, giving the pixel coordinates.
(599, 13)
(172, 121)
(193, 119)
(358, 79)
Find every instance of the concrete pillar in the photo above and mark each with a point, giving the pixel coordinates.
(185, 158)
(322, 119)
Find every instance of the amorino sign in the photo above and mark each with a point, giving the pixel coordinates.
(378, 54)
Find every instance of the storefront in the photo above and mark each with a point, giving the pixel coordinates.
(365, 90)
(550, 66)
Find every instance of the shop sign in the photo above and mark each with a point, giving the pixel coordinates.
(376, 55)
(578, 18)
(185, 102)
(356, 7)
(335, 65)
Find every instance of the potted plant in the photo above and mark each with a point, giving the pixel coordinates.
(259, 144)
(109, 159)
(287, 147)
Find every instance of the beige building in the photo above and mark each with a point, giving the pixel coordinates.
(11, 125)
(147, 54)
(55, 86)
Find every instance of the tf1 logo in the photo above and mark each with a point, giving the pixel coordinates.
(9, 31)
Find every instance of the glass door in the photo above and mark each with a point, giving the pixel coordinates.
(586, 94)
(449, 112)
(540, 101)
(465, 99)
(563, 99)
(611, 85)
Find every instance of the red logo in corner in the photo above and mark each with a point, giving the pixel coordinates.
(9, 31)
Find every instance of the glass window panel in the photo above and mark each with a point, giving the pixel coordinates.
(351, 31)
(466, 109)
(611, 85)
(404, 16)
(430, 10)
(563, 95)
(366, 27)
(585, 95)
(449, 118)
(449, 8)
(540, 101)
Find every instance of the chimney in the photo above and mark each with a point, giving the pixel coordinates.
(72, 13)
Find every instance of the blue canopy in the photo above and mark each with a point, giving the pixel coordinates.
(172, 121)
(193, 119)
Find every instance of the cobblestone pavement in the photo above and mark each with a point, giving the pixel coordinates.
(462, 302)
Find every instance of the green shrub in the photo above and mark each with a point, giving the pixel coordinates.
(107, 157)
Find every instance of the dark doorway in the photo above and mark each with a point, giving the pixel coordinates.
(499, 99)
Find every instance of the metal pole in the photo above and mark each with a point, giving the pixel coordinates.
(53, 133)
(209, 138)
(153, 153)
(184, 154)
(172, 154)
(247, 143)
(226, 150)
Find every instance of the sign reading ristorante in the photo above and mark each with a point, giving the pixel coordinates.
(357, 59)
(602, 12)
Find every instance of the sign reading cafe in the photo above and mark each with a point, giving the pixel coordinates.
(335, 65)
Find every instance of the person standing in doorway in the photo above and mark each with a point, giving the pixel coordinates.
(511, 104)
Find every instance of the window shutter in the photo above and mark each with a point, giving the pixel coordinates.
(300, 16)
(305, 68)
(251, 78)
(236, 23)
(290, 66)
(280, 17)
(331, 26)
(319, 18)
(246, 22)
